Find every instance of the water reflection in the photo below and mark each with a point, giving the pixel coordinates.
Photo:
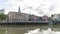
(29, 29)
(42, 31)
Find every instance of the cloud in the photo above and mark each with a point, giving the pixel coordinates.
(12, 5)
(42, 5)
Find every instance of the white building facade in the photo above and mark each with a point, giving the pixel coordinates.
(56, 17)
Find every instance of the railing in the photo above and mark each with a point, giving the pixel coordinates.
(26, 22)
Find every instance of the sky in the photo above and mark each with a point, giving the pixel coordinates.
(36, 7)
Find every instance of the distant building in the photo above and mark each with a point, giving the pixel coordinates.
(56, 17)
(18, 16)
(14, 16)
(35, 18)
(45, 18)
(32, 17)
(2, 11)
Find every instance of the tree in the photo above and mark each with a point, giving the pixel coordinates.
(2, 16)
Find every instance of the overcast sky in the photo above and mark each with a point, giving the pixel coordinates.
(37, 7)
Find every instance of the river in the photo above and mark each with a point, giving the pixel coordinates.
(26, 29)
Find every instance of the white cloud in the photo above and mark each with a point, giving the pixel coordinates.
(43, 4)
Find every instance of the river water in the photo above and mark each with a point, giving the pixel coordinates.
(29, 29)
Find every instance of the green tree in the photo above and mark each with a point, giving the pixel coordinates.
(2, 16)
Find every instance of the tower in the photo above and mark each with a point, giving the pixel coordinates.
(19, 9)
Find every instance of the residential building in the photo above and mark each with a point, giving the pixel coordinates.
(56, 17)
(19, 16)
(45, 18)
(14, 16)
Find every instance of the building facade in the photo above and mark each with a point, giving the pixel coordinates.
(56, 17)
(15, 16)
(18, 16)
(45, 18)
